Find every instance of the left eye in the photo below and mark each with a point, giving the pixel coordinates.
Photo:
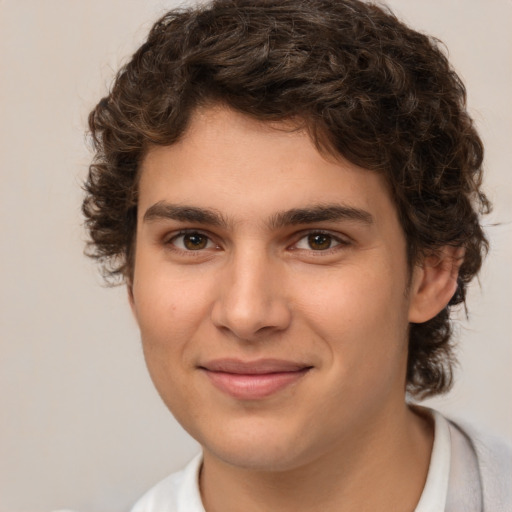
(192, 241)
(317, 242)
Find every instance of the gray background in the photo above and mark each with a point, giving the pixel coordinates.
(80, 424)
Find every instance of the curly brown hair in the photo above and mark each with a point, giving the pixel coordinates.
(366, 86)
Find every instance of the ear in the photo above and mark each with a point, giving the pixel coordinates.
(434, 282)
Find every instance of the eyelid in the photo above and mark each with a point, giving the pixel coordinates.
(171, 237)
(341, 239)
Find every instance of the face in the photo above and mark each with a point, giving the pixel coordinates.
(271, 291)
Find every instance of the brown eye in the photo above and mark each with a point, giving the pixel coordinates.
(191, 241)
(195, 241)
(319, 241)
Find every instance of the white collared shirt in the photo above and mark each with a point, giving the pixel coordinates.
(180, 491)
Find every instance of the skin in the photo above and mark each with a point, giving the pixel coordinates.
(246, 282)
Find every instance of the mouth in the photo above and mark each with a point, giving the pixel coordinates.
(253, 380)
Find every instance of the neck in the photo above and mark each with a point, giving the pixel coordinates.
(383, 467)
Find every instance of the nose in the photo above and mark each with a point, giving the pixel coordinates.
(251, 300)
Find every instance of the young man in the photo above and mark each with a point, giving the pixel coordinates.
(291, 192)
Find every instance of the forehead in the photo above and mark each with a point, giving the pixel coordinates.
(243, 167)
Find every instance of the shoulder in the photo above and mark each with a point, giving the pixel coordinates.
(494, 460)
(174, 492)
(493, 452)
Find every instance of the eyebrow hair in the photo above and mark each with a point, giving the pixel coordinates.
(164, 210)
(320, 213)
(295, 216)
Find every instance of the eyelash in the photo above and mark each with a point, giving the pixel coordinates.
(336, 239)
(171, 240)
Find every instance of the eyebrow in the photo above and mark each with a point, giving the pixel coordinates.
(183, 213)
(320, 213)
(295, 216)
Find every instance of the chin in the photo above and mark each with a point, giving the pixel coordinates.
(257, 458)
(266, 449)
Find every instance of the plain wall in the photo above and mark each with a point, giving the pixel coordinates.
(81, 426)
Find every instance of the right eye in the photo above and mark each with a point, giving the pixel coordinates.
(191, 241)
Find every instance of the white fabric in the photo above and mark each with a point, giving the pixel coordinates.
(469, 471)
(463, 493)
(178, 492)
(433, 497)
(494, 467)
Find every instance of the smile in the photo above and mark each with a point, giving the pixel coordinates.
(253, 380)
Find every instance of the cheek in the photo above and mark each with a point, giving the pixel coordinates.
(167, 304)
(169, 316)
(355, 293)
(361, 314)
(362, 325)
(167, 322)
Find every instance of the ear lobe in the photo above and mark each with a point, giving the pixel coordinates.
(434, 283)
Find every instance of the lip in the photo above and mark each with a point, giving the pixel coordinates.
(253, 380)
